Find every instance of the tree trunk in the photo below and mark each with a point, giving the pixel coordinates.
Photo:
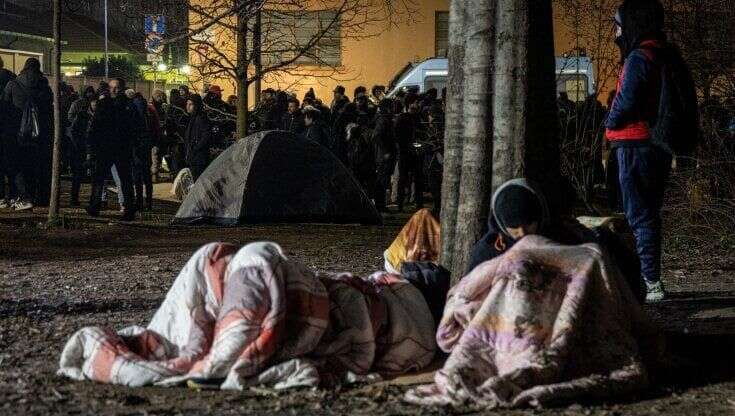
(53, 210)
(257, 58)
(501, 114)
(526, 125)
(453, 131)
(242, 73)
(475, 189)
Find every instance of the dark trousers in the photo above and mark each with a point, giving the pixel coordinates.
(410, 171)
(142, 177)
(102, 168)
(25, 170)
(386, 165)
(643, 173)
(77, 157)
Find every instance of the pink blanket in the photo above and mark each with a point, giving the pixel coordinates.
(251, 316)
(540, 324)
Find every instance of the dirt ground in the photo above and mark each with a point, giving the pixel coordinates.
(53, 282)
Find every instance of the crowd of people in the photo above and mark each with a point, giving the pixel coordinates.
(392, 145)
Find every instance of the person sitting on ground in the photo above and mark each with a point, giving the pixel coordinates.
(518, 209)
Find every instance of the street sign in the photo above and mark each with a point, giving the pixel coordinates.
(154, 43)
(155, 24)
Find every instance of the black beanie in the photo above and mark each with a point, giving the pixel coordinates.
(517, 205)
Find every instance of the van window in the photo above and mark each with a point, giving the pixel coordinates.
(438, 82)
(575, 85)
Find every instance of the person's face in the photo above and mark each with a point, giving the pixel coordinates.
(293, 108)
(190, 107)
(337, 95)
(308, 121)
(115, 88)
(618, 31)
(519, 232)
(93, 105)
(414, 108)
(182, 92)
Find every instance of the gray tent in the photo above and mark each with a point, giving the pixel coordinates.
(274, 176)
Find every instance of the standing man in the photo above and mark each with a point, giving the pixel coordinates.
(197, 137)
(80, 116)
(5, 143)
(111, 140)
(409, 164)
(30, 134)
(293, 120)
(655, 92)
(385, 144)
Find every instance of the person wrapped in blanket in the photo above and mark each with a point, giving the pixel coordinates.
(519, 208)
(241, 317)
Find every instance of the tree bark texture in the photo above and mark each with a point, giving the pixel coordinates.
(453, 130)
(242, 73)
(501, 113)
(53, 210)
(475, 189)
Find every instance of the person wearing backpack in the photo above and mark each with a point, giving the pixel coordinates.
(652, 118)
(30, 122)
(6, 172)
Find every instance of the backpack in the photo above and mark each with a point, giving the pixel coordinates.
(676, 128)
(30, 127)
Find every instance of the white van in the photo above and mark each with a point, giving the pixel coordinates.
(574, 75)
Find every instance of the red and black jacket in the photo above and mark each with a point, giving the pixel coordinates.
(636, 104)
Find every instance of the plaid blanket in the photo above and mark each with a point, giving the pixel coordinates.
(542, 323)
(251, 316)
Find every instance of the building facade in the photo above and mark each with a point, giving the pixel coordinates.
(369, 61)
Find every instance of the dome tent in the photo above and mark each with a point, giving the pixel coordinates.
(273, 176)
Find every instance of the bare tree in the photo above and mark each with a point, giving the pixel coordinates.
(297, 38)
(703, 30)
(53, 211)
(501, 115)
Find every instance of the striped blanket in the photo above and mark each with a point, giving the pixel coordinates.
(543, 323)
(250, 316)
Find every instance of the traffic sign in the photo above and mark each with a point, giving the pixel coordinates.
(154, 43)
(155, 24)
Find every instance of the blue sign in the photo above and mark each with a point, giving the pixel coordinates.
(155, 24)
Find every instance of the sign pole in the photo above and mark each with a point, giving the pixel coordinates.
(107, 48)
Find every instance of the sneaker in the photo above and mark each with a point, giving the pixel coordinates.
(655, 292)
(4, 203)
(22, 206)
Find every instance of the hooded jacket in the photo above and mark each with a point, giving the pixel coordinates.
(636, 103)
(29, 84)
(497, 240)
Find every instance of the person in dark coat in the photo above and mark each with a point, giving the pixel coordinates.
(80, 117)
(386, 151)
(31, 156)
(293, 120)
(197, 137)
(142, 177)
(344, 118)
(643, 167)
(410, 166)
(339, 101)
(315, 130)
(112, 138)
(6, 175)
